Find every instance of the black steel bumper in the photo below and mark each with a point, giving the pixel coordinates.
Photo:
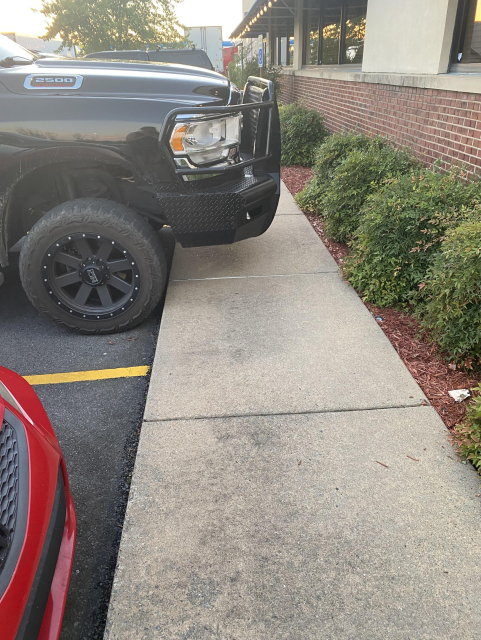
(243, 209)
(243, 198)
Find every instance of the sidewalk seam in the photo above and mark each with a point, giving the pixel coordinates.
(291, 413)
(270, 275)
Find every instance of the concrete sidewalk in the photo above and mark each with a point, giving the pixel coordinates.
(258, 507)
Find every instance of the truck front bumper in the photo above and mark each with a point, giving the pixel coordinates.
(242, 198)
(240, 209)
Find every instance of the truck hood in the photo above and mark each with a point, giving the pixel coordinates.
(118, 79)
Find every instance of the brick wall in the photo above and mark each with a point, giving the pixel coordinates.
(436, 124)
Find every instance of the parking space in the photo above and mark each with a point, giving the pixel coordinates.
(97, 422)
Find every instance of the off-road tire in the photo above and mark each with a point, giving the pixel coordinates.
(109, 219)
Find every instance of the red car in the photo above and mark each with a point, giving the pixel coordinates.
(37, 517)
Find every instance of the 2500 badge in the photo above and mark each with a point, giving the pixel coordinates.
(53, 82)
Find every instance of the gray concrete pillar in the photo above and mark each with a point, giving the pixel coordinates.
(409, 37)
(298, 35)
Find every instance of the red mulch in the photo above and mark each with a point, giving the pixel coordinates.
(433, 375)
(431, 372)
(296, 177)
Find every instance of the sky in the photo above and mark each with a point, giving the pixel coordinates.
(17, 15)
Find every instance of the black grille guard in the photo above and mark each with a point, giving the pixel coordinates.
(268, 150)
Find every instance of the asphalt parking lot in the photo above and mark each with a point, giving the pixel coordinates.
(97, 424)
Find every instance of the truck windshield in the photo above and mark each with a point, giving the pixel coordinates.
(12, 53)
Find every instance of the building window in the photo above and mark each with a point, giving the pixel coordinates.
(355, 31)
(330, 32)
(311, 32)
(334, 31)
(467, 33)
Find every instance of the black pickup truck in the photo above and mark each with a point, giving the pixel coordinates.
(96, 157)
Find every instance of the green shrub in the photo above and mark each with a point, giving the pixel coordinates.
(302, 131)
(356, 178)
(328, 157)
(402, 228)
(451, 313)
(468, 435)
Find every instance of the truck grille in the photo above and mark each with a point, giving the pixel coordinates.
(9, 475)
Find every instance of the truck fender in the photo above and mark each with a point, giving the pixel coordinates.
(43, 157)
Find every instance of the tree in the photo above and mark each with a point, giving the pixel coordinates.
(100, 25)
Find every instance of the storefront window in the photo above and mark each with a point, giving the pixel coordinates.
(355, 31)
(311, 32)
(467, 35)
(313, 46)
(331, 32)
(342, 25)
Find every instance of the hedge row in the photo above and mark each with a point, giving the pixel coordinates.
(302, 131)
(403, 225)
(414, 233)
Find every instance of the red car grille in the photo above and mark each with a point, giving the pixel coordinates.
(9, 475)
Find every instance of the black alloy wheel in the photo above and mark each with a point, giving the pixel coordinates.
(91, 276)
(93, 265)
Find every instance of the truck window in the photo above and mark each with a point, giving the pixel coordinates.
(190, 58)
(118, 55)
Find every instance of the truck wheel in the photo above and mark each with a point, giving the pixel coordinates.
(93, 266)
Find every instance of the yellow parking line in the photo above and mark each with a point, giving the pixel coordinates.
(82, 376)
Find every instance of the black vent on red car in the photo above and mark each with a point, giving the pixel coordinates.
(14, 492)
(9, 473)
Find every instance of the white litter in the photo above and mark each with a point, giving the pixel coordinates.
(459, 394)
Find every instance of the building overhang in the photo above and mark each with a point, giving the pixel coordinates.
(265, 16)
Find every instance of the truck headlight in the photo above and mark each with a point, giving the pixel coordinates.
(206, 141)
